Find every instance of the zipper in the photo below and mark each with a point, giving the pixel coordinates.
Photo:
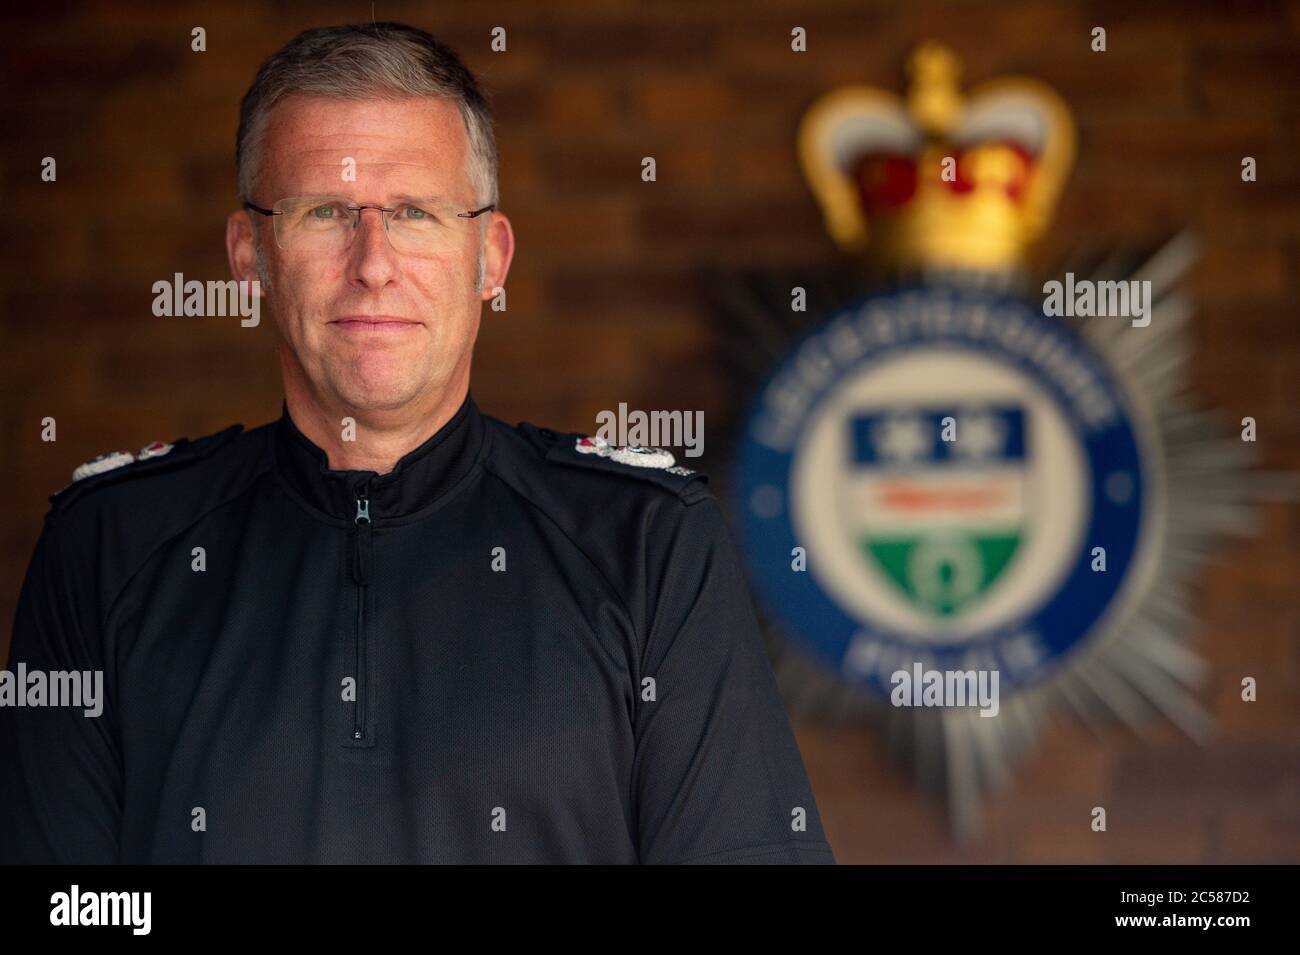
(362, 556)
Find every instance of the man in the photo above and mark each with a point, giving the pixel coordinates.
(386, 627)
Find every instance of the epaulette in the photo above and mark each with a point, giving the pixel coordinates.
(593, 453)
(154, 457)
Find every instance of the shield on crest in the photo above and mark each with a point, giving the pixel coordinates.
(936, 499)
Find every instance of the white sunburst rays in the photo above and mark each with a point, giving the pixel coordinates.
(981, 757)
(1139, 664)
(1143, 663)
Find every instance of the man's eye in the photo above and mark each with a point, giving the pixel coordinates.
(412, 212)
(322, 212)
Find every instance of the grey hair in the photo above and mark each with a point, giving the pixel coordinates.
(360, 62)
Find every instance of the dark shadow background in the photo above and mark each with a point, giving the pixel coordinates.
(605, 304)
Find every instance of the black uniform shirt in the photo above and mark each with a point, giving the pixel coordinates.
(503, 650)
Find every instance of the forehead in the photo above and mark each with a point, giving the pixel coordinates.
(410, 145)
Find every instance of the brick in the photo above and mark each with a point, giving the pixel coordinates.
(604, 302)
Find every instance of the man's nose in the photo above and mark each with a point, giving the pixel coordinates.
(371, 259)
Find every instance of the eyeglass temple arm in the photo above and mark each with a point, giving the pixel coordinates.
(260, 210)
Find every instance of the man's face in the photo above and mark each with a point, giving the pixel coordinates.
(372, 328)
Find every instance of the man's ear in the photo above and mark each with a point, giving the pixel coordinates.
(240, 250)
(499, 249)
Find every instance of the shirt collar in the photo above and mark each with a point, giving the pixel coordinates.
(420, 477)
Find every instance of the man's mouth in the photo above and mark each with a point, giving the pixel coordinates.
(374, 323)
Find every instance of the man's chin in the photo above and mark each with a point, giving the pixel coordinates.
(377, 396)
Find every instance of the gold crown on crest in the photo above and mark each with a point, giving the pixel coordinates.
(940, 179)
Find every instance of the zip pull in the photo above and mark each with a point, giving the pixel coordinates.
(361, 566)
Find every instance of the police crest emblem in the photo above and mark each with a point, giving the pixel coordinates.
(939, 473)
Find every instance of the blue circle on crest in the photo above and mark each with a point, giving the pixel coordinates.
(987, 325)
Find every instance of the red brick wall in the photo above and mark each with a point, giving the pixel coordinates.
(604, 305)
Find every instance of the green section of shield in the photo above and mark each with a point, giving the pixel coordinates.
(945, 585)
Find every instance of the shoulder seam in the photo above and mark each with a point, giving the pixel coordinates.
(112, 607)
(489, 468)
